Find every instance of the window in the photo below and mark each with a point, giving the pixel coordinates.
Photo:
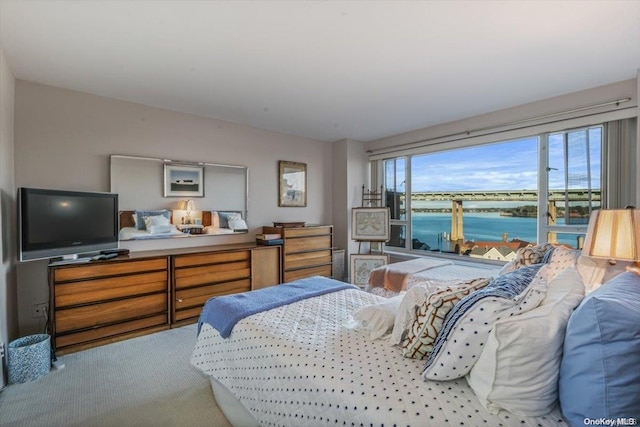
(396, 199)
(487, 201)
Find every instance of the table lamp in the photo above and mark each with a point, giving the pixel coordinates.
(188, 206)
(614, 234)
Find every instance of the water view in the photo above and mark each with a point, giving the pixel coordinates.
(430, 228)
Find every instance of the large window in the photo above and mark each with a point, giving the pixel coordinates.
(489, 200)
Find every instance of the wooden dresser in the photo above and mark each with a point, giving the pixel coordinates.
(101, 302)
(105, 301)
(198, 277)
(307, 251)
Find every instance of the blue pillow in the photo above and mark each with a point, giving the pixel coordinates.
(600, 369)
(140, 225)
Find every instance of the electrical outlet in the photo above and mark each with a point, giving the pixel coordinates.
(39, 310)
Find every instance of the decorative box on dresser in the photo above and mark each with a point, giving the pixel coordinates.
(106, 301)
(307, 251)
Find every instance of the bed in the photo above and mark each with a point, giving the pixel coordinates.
(389, 280)
(209, 220)
(300, 364)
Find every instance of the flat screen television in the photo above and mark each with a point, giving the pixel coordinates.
(58, 223)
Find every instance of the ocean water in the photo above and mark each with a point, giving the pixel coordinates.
(482, 226)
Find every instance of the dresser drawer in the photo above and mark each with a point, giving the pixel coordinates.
(114, 311)
(195, 276)
(211, 258)
(307, 244)
(324, 270)
(306, 231)
(113, 268)
(88, 291)
(198, 296)
(307, 259)
(85, 336)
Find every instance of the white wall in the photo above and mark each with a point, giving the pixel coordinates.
(350, 167)
(64, 139)
(8, 309)
(482, 128)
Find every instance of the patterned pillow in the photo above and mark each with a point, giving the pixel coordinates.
(532, 254)
(429, 317)
(467, 326)
(528, 256)
(561, 258)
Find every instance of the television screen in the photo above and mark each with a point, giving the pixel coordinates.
(57, 223)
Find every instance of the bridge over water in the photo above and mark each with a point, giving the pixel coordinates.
(572, 195)
(458, 197)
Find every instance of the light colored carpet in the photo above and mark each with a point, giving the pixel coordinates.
(145, 381)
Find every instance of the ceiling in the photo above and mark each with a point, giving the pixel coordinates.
(325, 70)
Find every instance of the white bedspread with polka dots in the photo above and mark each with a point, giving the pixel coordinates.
(297, 365)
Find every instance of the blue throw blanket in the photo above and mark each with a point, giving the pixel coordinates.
(223, 313)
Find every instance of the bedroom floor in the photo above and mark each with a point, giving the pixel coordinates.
(139, 382)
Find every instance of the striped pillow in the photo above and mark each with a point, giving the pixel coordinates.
(467, 326)
(429, 316)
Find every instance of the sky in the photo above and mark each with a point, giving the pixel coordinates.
(510, 165)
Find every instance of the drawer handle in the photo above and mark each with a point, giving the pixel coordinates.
(179, 299)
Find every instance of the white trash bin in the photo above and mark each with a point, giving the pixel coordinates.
(29, 358)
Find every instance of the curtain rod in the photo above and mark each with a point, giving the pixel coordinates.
(617, 102)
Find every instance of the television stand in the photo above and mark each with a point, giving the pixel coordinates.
(69, 260)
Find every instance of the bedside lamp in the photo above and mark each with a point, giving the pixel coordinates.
(188, 206)
(614, 234)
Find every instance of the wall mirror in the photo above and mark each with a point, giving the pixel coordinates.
(178, 199)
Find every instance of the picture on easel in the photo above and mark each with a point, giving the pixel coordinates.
(370, 224)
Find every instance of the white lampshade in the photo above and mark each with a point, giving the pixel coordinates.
(187, 205)
(614, 234)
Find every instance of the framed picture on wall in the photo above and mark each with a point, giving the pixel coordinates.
(370, 224)
(292, 184)
(183, 181)
(361, 266)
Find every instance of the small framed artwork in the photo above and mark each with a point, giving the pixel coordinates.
(183, 181)
(361, 266)
(370, 224)
(292, 184)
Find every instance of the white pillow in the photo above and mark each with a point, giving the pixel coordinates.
(237, 224)
(466, 328)
(592, 271)
(518, 369)
(157, 224)
(150, 221)
(378, 319)
(415, 297)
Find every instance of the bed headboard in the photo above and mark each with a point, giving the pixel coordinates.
(126, 219)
